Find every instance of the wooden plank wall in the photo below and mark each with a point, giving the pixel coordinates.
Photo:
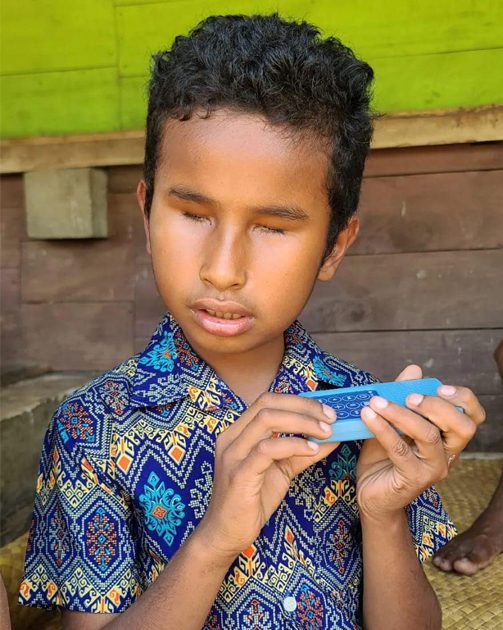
(422, 284)
(66, 71)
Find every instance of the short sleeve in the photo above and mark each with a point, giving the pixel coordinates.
(430, 526)
(81, 550)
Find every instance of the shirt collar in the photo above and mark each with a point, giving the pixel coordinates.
(169, 369)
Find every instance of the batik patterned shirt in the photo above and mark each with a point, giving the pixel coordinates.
(126, 474)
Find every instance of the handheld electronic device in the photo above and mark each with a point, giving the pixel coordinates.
(349, 401)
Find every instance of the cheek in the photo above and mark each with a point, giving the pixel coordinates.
(290, 259)
(288, 270)
(172, 240)
(174, 255)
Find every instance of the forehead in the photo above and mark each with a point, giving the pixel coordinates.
(240, 153)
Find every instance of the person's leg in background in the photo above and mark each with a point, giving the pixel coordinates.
(477, 547)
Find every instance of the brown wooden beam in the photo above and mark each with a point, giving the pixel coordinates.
(434, 127)
(405, 129)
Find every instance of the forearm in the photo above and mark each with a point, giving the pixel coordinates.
(396, 592)
(182, 595)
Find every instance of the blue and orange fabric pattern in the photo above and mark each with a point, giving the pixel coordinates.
(126, 474)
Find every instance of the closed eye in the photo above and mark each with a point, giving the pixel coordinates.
(194, 217)
(200, 219)
(273, 230)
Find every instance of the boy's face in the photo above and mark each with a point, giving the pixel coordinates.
(228, 170)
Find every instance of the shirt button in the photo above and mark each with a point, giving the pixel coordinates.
(290, 604)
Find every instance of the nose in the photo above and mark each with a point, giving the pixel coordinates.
(224, 260)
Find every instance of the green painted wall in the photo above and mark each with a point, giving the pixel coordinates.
(68, 66)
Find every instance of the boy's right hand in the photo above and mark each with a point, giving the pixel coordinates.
(254, 468)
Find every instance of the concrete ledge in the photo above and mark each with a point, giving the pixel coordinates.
(26, 409)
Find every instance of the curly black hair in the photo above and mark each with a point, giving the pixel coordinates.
(282, 70)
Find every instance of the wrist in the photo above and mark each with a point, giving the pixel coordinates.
(202, 546)
(383, 519)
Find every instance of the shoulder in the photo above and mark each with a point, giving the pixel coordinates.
(85, 419)
(335, 370)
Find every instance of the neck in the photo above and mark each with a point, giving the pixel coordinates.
(251, 373)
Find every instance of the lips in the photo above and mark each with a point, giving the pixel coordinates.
(221, 309)
(224, 319)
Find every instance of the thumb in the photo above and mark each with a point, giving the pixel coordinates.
(410, 373)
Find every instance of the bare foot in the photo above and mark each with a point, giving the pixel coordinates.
(475, 548)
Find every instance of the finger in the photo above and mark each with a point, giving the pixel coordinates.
(457, 428)
(285, 402)
(465, 398)
(269, 422)
(410, 373)
(300, 463)
(426, 436)
(270, 450)
(397, 449)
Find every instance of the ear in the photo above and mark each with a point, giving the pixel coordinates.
(343, 242)
(140, 196)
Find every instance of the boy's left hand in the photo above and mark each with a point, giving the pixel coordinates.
(394, 469)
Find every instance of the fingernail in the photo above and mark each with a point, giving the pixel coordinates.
(447, 390)
(313, 445)
(325, 427)
(379, 402)
(329, 412)
(415, 399)
(369, 413)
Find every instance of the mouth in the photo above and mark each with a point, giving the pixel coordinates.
(221, 323)
(222, 315)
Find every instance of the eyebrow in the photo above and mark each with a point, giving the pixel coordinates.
(292, 212)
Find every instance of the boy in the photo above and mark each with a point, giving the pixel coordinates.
(177, 491)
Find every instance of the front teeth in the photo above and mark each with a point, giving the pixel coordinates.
(223, 315)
